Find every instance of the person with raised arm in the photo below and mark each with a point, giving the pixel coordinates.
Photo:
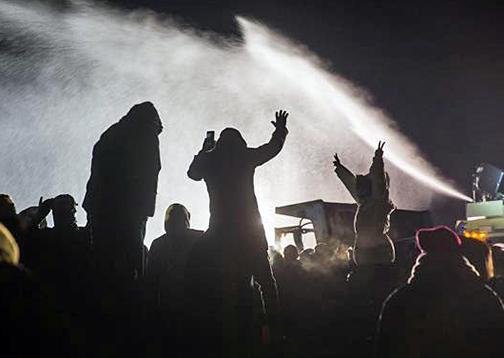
(372, 220)
(234, 249)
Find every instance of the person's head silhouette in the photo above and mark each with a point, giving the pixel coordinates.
(231, 139)
(146, 115)
(291, 253)
(7, 207)
(177, 218)
(63, 210)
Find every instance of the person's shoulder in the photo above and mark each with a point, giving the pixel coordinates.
(109, 132)
(398, 296)
(107, 140)
(158, 241)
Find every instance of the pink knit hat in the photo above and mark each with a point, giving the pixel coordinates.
(438, 239)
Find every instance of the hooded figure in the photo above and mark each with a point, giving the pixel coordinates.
(121, 192)
(445, 309)
(165, 279)
(235, 243)
(372, 219)
(168, 256)
(228, 170)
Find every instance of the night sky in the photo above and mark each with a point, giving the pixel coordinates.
(437, 69)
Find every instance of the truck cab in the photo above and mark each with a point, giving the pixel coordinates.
(485, 215)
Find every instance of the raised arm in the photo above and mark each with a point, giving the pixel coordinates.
(377, 173)
(197, 168)
(346, 176)
(268, 151)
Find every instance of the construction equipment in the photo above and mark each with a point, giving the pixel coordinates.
(333, 222)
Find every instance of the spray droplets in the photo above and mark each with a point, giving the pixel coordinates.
(73, 74)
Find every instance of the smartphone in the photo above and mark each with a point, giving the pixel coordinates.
(210, 136)
(209, 142)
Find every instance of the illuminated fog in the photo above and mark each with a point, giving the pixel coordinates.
(65, 77)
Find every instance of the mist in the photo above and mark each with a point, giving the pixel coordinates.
(67, 76)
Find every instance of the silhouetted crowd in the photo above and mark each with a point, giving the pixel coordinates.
(97, 291)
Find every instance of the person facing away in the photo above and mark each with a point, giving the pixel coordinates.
(445, 309)
(287, 270)
(291, 255)
(168, 257)
(372, 219)
(60, 253)
(65, 228)
(121, 191)
(235, 230)
(228, 171)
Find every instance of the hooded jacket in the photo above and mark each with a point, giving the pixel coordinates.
(125, 166)
(228, 172)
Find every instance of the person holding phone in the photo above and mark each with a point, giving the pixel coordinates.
(235, 232)
(227, 167)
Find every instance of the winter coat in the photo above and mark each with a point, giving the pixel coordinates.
(372, 219)
(444, 310)
(229, 176)
(125, 167)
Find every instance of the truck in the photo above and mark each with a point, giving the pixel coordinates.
(333, 224)
(484, 217)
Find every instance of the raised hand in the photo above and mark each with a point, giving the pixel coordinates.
(336, 161)
(44, 207)
(280, 119)
(379, 150)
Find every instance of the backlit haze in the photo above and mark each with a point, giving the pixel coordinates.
(67, 76)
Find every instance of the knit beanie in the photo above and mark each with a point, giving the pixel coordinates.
(439, 239)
